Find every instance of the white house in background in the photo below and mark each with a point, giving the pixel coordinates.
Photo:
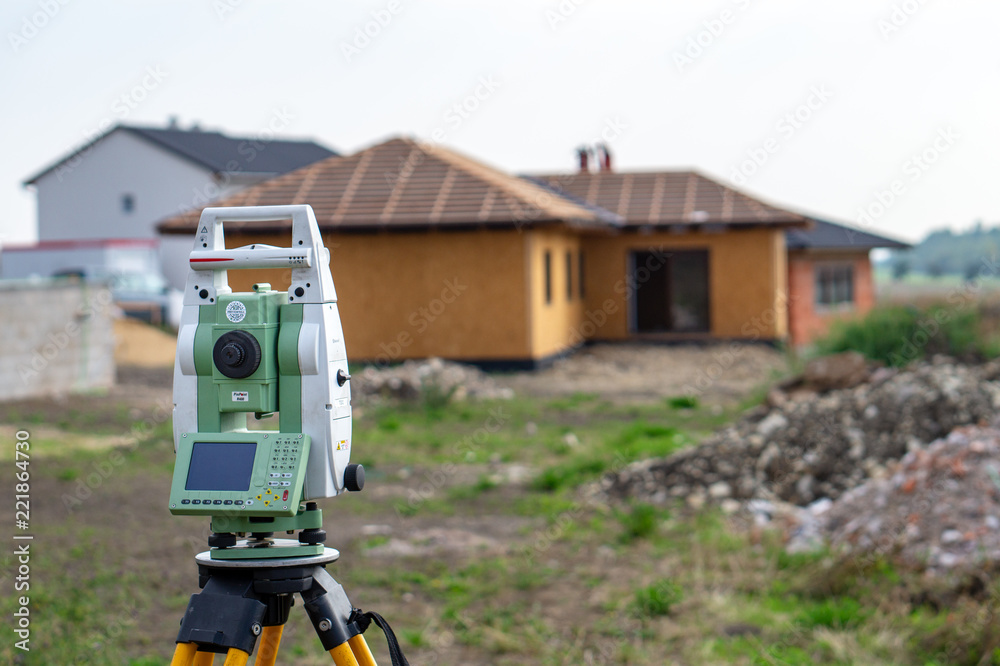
(127, 179)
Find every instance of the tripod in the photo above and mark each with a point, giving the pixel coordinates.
(244, 599)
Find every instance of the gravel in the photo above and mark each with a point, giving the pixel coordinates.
(938, 509)
(806, 445)
(433, 379)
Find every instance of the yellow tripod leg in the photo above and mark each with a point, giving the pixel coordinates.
(343, 655)
(184, 654)
(267, 653)
(361, 651)
(236, 657)
(203, 659)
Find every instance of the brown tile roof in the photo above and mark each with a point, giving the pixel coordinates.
(404, 184)
(669, 198)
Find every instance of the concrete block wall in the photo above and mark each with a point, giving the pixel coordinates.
(56, 337)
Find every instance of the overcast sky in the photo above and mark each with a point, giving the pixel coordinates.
(884, 106)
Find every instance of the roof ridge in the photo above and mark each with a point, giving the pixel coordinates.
(529, 193)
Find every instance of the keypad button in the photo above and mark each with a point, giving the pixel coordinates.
(227, 502)
(185, 501)
(239, 502)
(217, 502)
(195, 501)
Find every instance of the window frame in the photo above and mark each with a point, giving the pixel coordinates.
(834, 285)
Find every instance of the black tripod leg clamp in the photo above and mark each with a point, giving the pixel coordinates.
(337, 621)
(235, 622)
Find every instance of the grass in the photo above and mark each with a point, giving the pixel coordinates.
(656, 600)
(565, 580)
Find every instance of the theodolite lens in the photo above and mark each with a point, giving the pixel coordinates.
(236, 354)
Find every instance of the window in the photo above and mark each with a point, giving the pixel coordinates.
(128, 203)
(579, 279)
(569, 276)
(548, 277)
(834, 284)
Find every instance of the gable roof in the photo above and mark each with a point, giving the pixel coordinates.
(217, 152)
(659, 198)
(406, 184)
(829, 236)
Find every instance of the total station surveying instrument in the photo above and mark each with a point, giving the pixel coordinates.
(263, 352)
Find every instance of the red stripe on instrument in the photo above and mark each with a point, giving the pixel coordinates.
(194, 261)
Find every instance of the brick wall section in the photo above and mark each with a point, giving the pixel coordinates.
(805, 322)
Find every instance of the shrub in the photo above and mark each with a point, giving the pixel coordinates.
(896, 335)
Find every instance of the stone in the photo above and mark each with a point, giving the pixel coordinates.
(838, 371)
(719, 490)
(951, 536)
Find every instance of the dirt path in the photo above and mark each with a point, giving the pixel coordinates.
(717, 373)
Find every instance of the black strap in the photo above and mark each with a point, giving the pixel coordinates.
(364, 619)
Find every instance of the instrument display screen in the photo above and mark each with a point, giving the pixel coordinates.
(221, 466)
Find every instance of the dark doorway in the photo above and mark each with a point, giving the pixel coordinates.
(670, 291)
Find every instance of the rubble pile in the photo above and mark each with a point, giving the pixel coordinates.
(938, 509)
(814, 441)
(433, 379)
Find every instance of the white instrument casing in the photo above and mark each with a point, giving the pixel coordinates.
(325, 403)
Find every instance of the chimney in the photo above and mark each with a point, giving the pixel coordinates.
(172, 122)
(604, 157)
(583, 153)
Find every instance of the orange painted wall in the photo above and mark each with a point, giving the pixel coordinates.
(807, 322)
(555, 326)
(458, 295)
(393, 289)
(747, 281)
